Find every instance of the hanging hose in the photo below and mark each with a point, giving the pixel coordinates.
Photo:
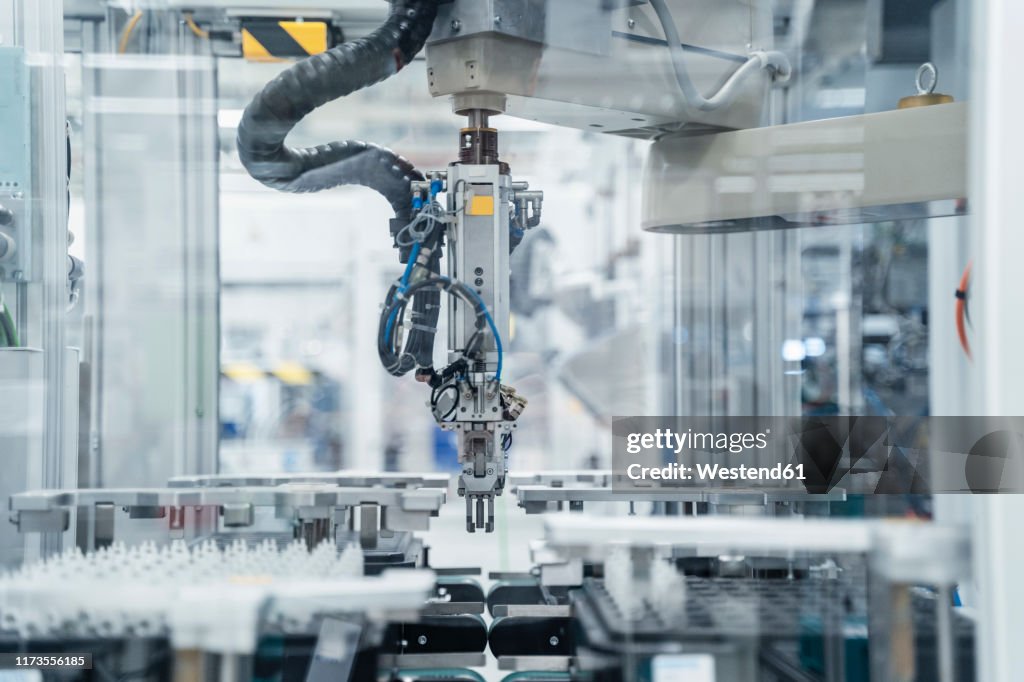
(418, 349)
(757, 61)
(963, 317)
(323, 78)
(126, 34)
(394, 308)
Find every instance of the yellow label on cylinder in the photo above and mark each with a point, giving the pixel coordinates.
(481, 205)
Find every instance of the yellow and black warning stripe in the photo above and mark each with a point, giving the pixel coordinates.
(290, 373)
(267, 40)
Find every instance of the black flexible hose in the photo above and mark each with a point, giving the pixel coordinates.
(320, 79)
(399, 363)
(426, 308)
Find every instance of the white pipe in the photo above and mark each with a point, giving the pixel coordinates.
(757, 61)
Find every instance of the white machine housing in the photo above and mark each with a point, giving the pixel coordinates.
(603, 65)
(598, 65)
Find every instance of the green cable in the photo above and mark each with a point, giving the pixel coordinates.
(12, 338)
(4, 342)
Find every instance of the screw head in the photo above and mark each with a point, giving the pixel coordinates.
(553, 641)
(497, 20)
(631, 23)
(456, 25)
(421, 640)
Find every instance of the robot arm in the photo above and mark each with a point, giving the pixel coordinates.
(535, 59)
(484, 218)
